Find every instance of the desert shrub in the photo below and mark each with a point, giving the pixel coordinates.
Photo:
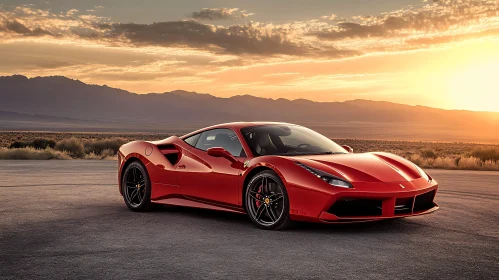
(38, 143)
(428, 153)
(445, 163)
(33, 154)
(470, 163)
(486, 153)
(416, 159)
(107, 153)
(110, 145)
(43, 143)
(18, 144)
(490, 165)
(73, 146)
(92, 155)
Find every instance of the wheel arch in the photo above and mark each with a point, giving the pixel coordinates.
(248, 178)
(123, 168)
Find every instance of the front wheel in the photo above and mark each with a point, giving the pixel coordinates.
(136, 187)
(267, 201)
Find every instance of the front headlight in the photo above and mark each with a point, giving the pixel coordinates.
(423, 174)
(326, 177)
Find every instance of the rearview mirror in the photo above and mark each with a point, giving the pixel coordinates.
(347, 148)
(221, 152)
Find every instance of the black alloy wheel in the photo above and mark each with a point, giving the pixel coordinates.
(136, 187)
(267, 201)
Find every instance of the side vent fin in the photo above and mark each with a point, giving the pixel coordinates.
(171, 153)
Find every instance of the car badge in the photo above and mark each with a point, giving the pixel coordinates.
(246, 163)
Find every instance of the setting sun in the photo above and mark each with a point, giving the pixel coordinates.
(475, 88)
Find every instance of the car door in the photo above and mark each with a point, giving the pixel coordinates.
(208, 178)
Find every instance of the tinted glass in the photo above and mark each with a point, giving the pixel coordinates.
(224, 138)
(288, 140)
(191, 140)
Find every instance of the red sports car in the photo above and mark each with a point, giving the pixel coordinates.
(274, 172)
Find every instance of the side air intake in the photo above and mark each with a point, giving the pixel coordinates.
(171, 153)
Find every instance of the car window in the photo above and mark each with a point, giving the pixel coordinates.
(221, 137)
(288, 140)
(191, 140)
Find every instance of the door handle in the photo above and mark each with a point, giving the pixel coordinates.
(181, 166)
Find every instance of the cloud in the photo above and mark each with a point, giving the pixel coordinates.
(15, 26)
(329, 37)
(249, 38)
(436, 40)
(437, 17)
(254, 39)
(220, 14)
(237, 39)
(72, 12)
(26, 21)
(330, 17)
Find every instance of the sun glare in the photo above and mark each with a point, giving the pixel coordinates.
(475, 88)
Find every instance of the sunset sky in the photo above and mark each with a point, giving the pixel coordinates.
(441, 54)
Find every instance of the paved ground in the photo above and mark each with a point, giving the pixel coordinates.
(65, 219)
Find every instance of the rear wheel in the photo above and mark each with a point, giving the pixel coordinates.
(267, 201)
(136, 187)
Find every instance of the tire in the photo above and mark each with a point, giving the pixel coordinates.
(267, 202)
(136, 187)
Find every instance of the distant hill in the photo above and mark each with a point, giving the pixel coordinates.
(59, 103)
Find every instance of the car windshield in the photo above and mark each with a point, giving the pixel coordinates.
(288, 140)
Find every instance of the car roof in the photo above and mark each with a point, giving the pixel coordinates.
(235, 126)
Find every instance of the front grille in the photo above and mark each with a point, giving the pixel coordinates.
(352, 207)
(403, 205)
(424, 201)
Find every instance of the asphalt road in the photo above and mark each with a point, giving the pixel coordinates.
(66, 219)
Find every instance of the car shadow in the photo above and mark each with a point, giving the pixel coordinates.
(389, 225)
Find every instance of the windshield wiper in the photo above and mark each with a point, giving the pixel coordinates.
(329, 153)
(307, 153)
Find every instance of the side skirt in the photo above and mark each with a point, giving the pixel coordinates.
(196, 203)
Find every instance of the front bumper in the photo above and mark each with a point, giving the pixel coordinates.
(356, 209)
(365, 202)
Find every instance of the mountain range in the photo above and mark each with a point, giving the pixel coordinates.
(58, 103)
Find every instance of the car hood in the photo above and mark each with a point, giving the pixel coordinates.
(364, 167)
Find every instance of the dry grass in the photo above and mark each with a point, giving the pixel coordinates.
(91, 149)
(107, 154)
(37, 143)
(32, 153)
(486, 153)
(461, 163)
(74, 146)
(442, 155)
(9, 137)
(106, 146)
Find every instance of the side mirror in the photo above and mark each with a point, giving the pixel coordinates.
(221, 152)
(347, 148)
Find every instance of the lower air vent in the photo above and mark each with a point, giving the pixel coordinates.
(170, 152)
(352, 207)
(424, 201)
(403, 205)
